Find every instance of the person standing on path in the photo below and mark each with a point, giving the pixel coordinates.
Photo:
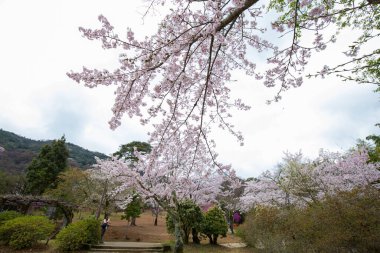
(104, 226)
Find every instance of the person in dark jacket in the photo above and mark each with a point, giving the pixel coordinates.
(105, 225)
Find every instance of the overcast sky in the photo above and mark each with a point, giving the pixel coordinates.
(40, 42)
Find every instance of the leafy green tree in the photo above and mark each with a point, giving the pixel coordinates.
(127, 151)
(133, 209)
(43, 171)
(74, 186)
(374, 150)
(191, 218)
(214, 224)
(294, 177)
(11, 183)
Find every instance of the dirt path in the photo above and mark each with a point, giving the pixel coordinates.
(145, 231)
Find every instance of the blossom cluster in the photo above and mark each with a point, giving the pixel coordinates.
(299, 182)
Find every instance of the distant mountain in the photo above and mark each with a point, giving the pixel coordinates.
(16, 152)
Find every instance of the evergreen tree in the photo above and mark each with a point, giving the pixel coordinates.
(127, 151)
(42, 173)
(191, 218)
(133, 210)
(214, 224)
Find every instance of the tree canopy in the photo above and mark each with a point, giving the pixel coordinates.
(184, 69)
(43, 171)
(127, 151)
(299, 181)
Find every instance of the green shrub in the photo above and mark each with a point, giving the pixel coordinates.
(191, 217)
(349, 221)
(133, 210)
(24, 232)
(92, 226)
(8, 215)
(345, 222)
(79, 235)
(264, 228)
(214, 224)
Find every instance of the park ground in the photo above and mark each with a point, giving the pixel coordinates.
(145, 231)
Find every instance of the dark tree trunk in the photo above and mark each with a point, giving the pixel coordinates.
(186, 238)
(102, 199)
(231, 223)
(214, 239)
(133, 221)
(194, 233)
(155, 220)
(209, 239)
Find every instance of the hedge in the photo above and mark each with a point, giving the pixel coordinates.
(24, 232)
(79, 235)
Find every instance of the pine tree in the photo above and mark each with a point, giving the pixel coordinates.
(43, 171)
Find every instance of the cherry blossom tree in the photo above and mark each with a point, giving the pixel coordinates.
(299, 182)
(106, 186)
(184, 70)
(263, 191)
(345, 172)
(179, 79)
(181, 170)
(181, 75)
(301, 18)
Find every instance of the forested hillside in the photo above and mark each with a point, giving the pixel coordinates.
(19, 152)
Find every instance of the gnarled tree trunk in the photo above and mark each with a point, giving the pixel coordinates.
(178, 245)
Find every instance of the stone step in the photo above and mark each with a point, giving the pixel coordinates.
(114, 250)
(127, 247)
(97, 247)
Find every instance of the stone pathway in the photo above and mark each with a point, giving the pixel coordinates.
(234, 245)
(127, 247)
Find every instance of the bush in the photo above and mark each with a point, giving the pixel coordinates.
(214, 224)
(345, 222)
(133, 210)
(79, 235)
(24, 232)
(191, 218)
(8, 215)
(264, 228)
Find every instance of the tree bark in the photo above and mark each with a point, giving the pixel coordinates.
(214, 239)
(102, 200)
(178, 245)
(194, 233)
(133, 221)
(209, 239)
